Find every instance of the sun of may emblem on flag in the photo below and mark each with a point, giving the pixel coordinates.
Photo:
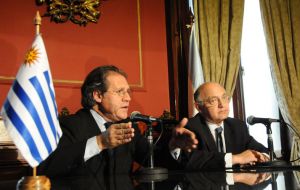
(31, 56)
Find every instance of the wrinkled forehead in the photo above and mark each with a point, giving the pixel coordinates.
(116, 81)
(211, 89)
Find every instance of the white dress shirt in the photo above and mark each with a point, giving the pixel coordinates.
(228, 156)
(92, 148)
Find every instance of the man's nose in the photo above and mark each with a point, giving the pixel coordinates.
(220, 103)
(127, 97)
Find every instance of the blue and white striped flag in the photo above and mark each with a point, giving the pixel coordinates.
(196, 77)
(30, 111)
(195, 67)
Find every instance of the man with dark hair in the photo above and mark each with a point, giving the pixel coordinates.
(223, 141)
(96, 81)
(97, 138)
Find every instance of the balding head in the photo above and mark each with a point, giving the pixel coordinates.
(212, 101)
(206, 89)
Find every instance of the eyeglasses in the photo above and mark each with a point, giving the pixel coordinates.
(214, 100)
(121, 92)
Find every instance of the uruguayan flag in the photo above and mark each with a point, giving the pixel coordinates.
(195, 66)
(29, 111)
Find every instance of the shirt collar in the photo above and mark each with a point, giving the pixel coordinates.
(212, 127)
(99, 120)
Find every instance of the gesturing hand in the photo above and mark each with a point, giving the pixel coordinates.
(183, 138)
(115, 135)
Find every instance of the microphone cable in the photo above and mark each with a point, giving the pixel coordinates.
(160, 123)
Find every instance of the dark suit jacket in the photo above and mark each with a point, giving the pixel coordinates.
(68, 158)
(237, 140)
(98, 182)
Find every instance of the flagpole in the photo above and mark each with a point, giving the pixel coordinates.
(34, 172)
(37, 22)
(35, 182)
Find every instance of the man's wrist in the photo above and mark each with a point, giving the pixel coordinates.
(102, 141)
(235, 159)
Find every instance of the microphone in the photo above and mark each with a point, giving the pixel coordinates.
(137, 116)
(253, 120)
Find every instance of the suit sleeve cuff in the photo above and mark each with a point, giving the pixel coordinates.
(175, 153)
(228, 160)
(229, 179)
(91, 148)
(228, 164)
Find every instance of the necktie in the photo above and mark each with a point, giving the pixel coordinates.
(219, 139)
(107, 124)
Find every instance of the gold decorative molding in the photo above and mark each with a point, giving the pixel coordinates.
(6, 79)
(55, 81)
(79, 12)
(139, 84)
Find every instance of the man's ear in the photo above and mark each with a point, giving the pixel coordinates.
(197, 106)
(97, 96)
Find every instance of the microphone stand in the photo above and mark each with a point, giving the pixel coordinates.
(273, 181)
(151, 173)
(270, 141)
(272, 162)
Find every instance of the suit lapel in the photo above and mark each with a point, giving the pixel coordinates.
(108, 154)
(206, 135)
(228, 136)
(93, 128)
